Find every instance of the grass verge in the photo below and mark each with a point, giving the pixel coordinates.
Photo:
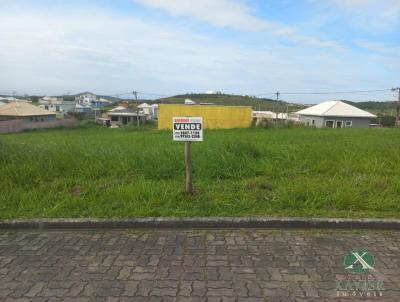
(101, 172)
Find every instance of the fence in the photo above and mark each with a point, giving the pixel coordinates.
(13, 126)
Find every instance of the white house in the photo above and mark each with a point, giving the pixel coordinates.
(263, 114)
(154, 111)
(146, 108)
(47, 99)
(189, 102)
(86, 98)
(124, 116)
(335, 114)
(151, 111)
(274, 115)
(57, 104)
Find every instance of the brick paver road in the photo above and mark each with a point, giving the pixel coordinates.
(196, 265)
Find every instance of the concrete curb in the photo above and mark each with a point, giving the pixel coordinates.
(202, 223)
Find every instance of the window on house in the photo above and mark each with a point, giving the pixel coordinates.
(329, 124)
(308, 121)
(57, 108)
(348, 123)
(46, 107)
(313, 122)
(114, 118)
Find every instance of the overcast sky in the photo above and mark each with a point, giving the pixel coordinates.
(178, 46)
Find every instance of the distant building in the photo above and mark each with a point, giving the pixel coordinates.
(82, 108)
(57, 104)
(26, 112)
(124, 116)
(9, 99)
(86, 98)
(146, 108)
(151, 111)
(213, 92)
(47, 99)
(154, 111)
(260, 116)
(275, 115)
(100, 103)
(189, 102)
(263, 114)
(90, 99)
(335, 114)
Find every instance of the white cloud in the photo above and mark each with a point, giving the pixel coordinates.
(60, 50)
(226, 13)
(233, 14)
(380, 48)
(373, 14)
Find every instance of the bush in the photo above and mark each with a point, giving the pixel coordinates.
(385, 121)
(268, 123)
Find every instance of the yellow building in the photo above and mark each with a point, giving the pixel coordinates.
(214, 117)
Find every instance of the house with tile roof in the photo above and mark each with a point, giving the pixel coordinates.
(26, 112)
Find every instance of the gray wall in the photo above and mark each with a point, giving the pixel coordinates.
(320, 121)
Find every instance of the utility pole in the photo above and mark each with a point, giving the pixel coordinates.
(397, 107)
(277, 100)
(135, 94)
(137, 108)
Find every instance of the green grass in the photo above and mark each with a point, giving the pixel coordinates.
(101, 172)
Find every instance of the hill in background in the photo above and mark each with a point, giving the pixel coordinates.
(382, 108)
(233, 100)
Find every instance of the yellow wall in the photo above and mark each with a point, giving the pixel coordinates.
(214, 117)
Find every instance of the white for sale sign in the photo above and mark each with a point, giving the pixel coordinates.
(188, 129)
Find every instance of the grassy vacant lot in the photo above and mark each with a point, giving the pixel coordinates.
(99, 172)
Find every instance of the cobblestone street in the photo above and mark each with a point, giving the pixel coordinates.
(195, 265)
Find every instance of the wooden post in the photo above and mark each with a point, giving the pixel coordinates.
(188, 162)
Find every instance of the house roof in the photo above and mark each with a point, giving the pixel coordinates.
(124, 112)
(335, 108)
(22, 109)
(144, 105)
(117, 108)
